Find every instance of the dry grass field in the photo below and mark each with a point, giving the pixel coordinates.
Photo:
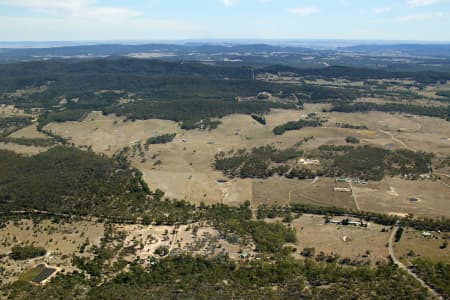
(183, 168)
(11, 110)
(362, 244)
(21, 149)
(283, 191)
(418, 133)
(393, 195)
(29, 132)
(413, 245)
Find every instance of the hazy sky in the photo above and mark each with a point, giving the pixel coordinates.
(38, 20)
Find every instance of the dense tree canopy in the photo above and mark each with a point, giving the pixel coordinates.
(68, 180)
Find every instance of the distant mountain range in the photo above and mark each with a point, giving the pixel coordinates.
(410, 49)
(301, 53)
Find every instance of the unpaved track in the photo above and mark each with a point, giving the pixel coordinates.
(441, 174)
(397, 140)
(315, 180)
(413, 150)
(403, 267)
(174, 238)
(442, 181)
(354, 197)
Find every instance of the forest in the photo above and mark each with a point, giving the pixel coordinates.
(311, 121)
(185, 92)
(429, 111)
(374, 163)
(68, 180)
(436, 275)
(161, 139)
(256, 163)
(26, 252)
(359, 74)
(364, 162)
(191, 112)
(181, 277)
(443, 94)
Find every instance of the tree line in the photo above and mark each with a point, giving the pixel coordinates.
(442, 112)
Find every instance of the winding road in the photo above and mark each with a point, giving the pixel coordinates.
(403, 267)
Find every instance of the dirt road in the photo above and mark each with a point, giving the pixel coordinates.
(354, 197)
(397, 140)
(403, 267)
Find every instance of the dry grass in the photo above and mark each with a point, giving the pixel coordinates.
(346, 241)
(186, 170)
(392, 196)
(11, 110)
(29, 132)
(196, 239)
(60, 241)
(429, 248)
(21, 149)
(283, 191)
(419, 133)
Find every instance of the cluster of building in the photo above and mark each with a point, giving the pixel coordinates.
(427, 234)
(306, 161)
(342, 189)
(346, 222)
(9, 108)
(279, 75)
(351, 180)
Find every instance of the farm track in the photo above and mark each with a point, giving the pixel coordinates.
(404, 268)
(397, 140)
(414, 150)
(354, 197)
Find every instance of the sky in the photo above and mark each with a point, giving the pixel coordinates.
(101, 20)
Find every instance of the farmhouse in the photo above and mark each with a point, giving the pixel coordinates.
(426, 234)
(355, 223)
(425, 176)
(263, 95)
(306, 161)
(334, 222)
(268, 76)
(339, 189)
(346, 222)
(341, 179)
(351, 180)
